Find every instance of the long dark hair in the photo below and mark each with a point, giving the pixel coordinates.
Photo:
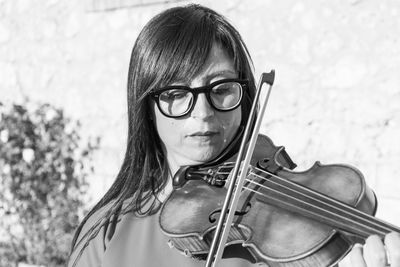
(173, 46)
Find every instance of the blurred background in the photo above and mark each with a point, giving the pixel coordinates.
(336, 97)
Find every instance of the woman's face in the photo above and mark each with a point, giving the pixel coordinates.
(202, 134)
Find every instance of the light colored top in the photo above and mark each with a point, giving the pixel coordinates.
(137, 241)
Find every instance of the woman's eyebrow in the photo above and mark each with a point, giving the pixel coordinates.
(207, 77)
(220, 73)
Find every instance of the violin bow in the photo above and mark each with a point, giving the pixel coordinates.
(235, 187)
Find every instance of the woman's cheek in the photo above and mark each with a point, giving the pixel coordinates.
(231, 125)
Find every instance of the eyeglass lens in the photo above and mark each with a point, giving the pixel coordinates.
(225, 96)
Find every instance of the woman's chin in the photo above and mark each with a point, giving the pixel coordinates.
(201, 156)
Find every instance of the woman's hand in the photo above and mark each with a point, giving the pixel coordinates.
(376, 252)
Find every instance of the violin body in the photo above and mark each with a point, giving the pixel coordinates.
(279, 230)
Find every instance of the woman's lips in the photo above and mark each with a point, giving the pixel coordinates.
(205, 133)
(203, 136)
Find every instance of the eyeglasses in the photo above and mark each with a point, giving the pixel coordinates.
(177, 100)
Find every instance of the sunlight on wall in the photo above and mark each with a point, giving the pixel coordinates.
(336, 96)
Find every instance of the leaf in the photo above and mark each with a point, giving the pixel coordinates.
(43, 170)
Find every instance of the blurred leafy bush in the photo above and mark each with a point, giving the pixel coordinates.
(44, 165)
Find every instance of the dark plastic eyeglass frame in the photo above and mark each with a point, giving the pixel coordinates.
(195, 92)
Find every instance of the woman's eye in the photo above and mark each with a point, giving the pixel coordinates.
(222, 89)
(173, 95)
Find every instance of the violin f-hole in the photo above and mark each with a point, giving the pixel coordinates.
(214, 217)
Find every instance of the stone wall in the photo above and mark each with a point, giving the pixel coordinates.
(336, 97)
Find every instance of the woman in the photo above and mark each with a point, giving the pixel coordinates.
(190, 87)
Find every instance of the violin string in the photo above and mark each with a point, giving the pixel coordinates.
(308, 196)
(356, 214)
(315, 214)
(334, 203)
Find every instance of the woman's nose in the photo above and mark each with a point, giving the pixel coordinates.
(202, 109)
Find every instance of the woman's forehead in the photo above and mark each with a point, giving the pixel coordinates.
(217, 64)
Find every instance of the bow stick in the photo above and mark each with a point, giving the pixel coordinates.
(233, 193)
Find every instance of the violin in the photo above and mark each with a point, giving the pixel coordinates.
(282, 218)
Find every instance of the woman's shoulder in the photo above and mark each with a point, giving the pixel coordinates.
(90, 243)
(95, 234)
(100, 225)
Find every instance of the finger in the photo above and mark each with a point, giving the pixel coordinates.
(374, 252)
(356, 256)
(392, 243)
